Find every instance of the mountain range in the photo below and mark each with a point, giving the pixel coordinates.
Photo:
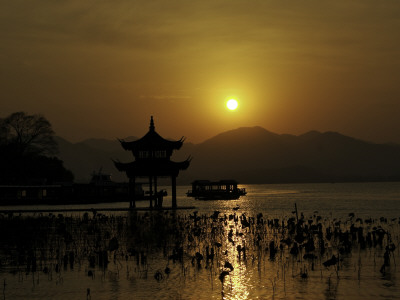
(253, 155)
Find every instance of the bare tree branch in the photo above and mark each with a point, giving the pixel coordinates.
(29, 133)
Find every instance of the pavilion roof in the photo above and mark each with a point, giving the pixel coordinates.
(152, 141)
(152, 168)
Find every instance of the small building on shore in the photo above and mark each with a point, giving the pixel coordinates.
(100, 189)
(152, 155)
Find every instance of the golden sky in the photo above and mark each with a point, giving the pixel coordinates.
(101, 68)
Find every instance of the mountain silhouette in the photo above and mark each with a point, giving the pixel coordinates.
(255, 155)
(92, 155)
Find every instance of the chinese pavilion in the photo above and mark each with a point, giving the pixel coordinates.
(152, 160)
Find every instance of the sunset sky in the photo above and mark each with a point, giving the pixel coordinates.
(102, 68)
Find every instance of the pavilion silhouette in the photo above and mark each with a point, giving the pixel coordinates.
(152, 160)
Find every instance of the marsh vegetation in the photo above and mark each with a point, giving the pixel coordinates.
(167, 254)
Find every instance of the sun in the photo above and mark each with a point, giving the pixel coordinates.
(232, 104)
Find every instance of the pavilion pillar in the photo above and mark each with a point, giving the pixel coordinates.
(151, 191)
(173, 178)
(132, 192)
(156, 204)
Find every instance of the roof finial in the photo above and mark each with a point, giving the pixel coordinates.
(151, 124)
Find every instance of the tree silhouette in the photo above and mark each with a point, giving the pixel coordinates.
(28, 134)
(26, 146)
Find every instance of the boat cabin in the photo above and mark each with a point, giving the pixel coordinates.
(216, 190)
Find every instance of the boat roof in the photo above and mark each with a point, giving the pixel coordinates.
(209, 182)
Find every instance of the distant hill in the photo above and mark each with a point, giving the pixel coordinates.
(255, 155)
(106, 145)
(92, 155)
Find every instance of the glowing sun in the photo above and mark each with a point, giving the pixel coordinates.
(232, 104)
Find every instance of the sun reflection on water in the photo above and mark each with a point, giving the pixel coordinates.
(236, 287)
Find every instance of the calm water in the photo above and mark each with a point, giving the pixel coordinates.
(337, 200)
(257, 276)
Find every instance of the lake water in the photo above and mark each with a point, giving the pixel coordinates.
(145, 263)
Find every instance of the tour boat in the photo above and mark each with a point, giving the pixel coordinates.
(216, 190)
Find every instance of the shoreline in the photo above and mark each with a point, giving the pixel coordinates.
(7, 211)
